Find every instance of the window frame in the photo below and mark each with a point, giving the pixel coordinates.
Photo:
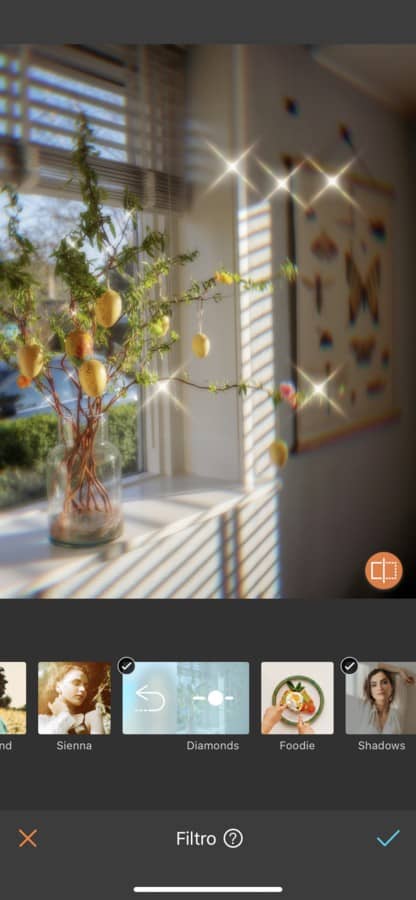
(151, 79)
(151, 422)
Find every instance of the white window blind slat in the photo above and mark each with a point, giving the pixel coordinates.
(133, 96)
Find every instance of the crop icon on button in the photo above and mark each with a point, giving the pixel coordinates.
(383, 571)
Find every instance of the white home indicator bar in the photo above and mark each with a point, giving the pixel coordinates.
(208, 890)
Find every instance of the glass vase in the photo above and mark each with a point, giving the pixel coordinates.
(84, 484)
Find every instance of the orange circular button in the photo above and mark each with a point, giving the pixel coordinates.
(383, 570)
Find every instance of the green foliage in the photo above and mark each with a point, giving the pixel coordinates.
(276, 397)
(72, 266)
(17, 284)
(6, 350)
(25, 443)
(24, 248)
(145, 377)
(288, 270)
(153, 243)
(93, 224)
(122, 426)
(21, 486)
(137, 269)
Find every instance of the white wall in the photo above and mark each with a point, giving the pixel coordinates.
(211, 425)
(345, 500)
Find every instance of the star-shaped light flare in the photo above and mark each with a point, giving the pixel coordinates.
(282, 184)
(319, 391)
(231, 167)
(332, 181)
(163, 387)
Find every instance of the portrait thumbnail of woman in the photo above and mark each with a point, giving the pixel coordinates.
(12, 698)
(74, 698)
(379, 700)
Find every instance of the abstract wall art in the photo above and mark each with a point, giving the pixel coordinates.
(342, 323)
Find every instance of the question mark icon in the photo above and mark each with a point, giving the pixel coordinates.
(233, 838)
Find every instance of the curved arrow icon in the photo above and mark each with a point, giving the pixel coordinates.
(144, 694)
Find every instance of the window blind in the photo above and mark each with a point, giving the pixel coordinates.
(134, 99)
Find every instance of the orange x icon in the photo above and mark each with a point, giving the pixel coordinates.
(28, 838)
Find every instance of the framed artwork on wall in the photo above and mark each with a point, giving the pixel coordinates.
(341, 238)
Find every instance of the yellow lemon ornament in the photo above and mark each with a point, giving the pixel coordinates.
(93, 377)
(279, 453)
(200, 345)
(79, 344)
(108, 308)
(30, 360)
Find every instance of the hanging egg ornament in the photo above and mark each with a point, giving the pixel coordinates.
(279, 453)
(108, 308)
(23, 381)
(30, 360)
(200, 345)
(93, 377)
(79, 344)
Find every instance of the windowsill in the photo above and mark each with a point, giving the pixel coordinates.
(154, 508)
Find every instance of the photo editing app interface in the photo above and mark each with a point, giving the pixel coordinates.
(207, 469)
(207, 748)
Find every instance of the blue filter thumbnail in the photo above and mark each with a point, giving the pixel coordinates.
(187, 698)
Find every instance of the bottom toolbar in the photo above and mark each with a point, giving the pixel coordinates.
(120, 854)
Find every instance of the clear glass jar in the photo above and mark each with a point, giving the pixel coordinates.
(84, 484)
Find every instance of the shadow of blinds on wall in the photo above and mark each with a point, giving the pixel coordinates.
(134, 99)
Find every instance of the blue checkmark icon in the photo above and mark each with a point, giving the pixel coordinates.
(388, 840)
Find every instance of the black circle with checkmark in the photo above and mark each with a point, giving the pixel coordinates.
(126, 665)
(349, 665)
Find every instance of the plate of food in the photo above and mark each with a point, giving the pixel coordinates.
(302, 696)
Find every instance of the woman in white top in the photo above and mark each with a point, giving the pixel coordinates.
(384, 706)
(66, 708)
